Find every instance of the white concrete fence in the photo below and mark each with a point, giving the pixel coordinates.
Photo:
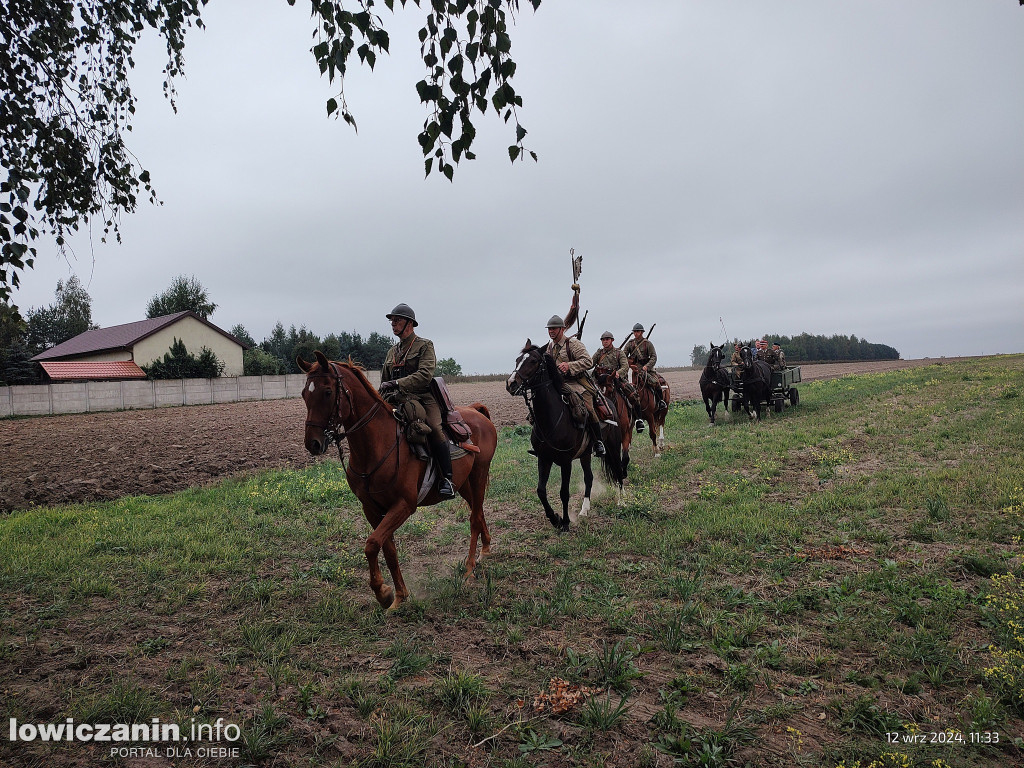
(88, 396)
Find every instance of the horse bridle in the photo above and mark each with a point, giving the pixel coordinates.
(528, 396)
(333, 429)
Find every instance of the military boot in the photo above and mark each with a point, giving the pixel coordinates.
(595, 434)
(660, 397)
(445, 486)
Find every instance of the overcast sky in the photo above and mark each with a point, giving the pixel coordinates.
(853, 166)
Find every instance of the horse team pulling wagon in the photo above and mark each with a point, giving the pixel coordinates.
(781, 389)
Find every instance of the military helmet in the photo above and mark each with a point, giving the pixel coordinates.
(556, 322)
(638, 327)
(607, 335)
(403, 311)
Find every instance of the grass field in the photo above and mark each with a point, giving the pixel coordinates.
(839, 585)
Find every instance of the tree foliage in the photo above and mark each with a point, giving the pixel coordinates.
(699, 355)
(67, 317)
(448, 367)
(68, 104)
(283, 346)
(185, 294)
(814, 348)
(179, 363)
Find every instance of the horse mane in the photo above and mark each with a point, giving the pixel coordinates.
(552, 366)
(359, 372)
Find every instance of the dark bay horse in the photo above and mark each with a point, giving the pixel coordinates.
(555, 437)
(756, 376)
(382, 471)
(714, 382)
(620, 406)
(649, 409)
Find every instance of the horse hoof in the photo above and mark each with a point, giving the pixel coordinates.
(386, 598)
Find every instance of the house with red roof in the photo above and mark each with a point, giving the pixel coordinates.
(118, 351)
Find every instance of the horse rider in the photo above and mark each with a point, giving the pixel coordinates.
(640, 352)
(611, 357)
(574, 361)
(406, 375)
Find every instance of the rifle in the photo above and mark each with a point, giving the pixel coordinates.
(630, 335)
(583, 322)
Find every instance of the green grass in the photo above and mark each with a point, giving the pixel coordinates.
(772, 594)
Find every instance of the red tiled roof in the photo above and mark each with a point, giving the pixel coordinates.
(73, 371)
(121, 337)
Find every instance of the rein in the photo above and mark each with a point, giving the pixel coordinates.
(332, 433)
(529, 397)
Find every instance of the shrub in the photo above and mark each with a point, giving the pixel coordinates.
(180, 364)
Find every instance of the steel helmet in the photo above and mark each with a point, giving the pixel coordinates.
(607, 335)
(638, 327)
(556, 322)
(403, 311)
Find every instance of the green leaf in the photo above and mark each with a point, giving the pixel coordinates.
(513, 153)
(448, 171)
(520, 132)
(428, 165)
(332, 106)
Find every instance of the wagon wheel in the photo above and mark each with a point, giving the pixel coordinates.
(794, 396)
(780, 404)
(736, 405)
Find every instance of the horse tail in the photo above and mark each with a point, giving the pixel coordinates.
(611, 462)
(482, 409)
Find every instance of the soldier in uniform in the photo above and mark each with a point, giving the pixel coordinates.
(737, 359)
(771, 356)
(640, 352)
(408, 369)
(574, 361)
(780, 355)
(611, 357)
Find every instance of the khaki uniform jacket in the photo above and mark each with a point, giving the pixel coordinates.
(573, 352)
(411, 363)
(615, 359)
(641, 353)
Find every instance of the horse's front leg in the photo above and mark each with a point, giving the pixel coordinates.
(563, 494)
(588, 483)
(382, 538)
(543, 473)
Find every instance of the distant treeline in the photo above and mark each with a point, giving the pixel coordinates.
(837, 347)
(277, 352)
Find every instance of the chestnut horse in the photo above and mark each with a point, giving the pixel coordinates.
(555, 438)
(382, 471)
(623, 413)
(649, 409)
(714, 382)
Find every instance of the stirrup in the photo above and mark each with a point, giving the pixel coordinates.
(662, 405)
(599, 449)
(445, 488)
(639, 425)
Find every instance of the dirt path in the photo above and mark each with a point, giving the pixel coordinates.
(85, 457)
